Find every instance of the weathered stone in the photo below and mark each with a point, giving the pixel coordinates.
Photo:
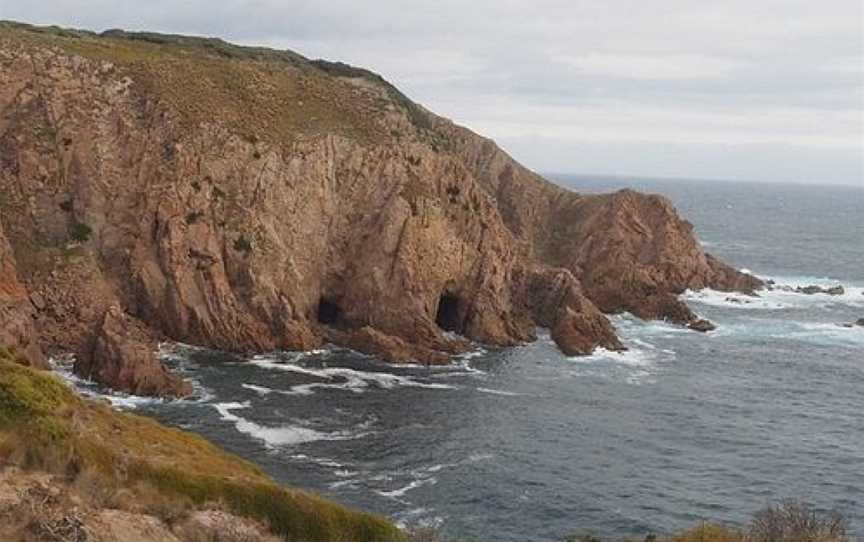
(813, 289)
(701, 325)
(37, 300)
(375, 223)
(124, 358)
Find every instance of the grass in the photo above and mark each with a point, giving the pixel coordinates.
(44, 426)
(261, 94)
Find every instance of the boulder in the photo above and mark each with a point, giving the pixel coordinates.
(702, 325)
(387, 347)
(576, 334)
(813, 289)
(123, 358)
(857, 323)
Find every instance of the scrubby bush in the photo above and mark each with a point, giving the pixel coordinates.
(241, 244)
(193, 217)
(80, 232)
(795, 521)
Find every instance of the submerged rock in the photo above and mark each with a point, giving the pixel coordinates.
(857, 323)
(813, 289)
(701, 325)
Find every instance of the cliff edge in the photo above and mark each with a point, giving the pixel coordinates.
(247, 199)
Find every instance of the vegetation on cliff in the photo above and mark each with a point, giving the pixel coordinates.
(45, 427)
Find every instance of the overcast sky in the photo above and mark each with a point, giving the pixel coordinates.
(763, 90)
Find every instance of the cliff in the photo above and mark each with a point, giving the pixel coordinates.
(248, 199)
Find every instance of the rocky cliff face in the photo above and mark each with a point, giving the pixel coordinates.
(248, 199)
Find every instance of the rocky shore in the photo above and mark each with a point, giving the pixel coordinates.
(172, 188)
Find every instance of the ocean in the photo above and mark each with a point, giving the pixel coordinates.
(525, 444)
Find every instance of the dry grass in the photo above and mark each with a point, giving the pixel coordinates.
(261, 94)
(116, 458)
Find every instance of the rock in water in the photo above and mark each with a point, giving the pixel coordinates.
(813, 289)
(857, 323)
(701, 325)
(314, 201)
(123, 358)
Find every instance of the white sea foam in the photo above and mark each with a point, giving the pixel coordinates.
(474, 458)
(414, 484)
(634, 356)
(260, 390)
(286, 435)
(783, 295)
(825, 333)
(63, 365)
(640, 362)
(342, 378)
(499, 392)
(422, 516)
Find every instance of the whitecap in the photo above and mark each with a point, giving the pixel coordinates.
(474, 458)
(422, 517)
(260, 390)
(636, 357)
(825, 333)
(286, 435)
(499, 392)
(783, 296)
(351, 379)
(400, 492)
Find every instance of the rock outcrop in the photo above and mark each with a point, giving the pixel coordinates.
(123, 357)
(246, 199)
(16, 311)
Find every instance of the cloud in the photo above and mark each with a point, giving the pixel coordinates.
(657, 67)
(623, 77)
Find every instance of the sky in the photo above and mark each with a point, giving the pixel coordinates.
(759, 90)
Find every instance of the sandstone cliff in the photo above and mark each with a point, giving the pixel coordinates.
(248, 199)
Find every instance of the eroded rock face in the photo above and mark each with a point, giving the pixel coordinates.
(314, 202)
(16, 312)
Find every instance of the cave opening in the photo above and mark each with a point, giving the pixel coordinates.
(329, 312)
(448, 315)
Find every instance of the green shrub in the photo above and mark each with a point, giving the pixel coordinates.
(80, 232)
(241, 244)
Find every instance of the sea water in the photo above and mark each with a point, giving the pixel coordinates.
(527, 444)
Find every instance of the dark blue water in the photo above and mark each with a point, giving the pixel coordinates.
(526, 444)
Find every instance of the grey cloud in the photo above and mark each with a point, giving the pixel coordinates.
(791, 66)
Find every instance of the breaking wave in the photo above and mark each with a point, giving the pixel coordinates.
(783, 296)
(341, 378)
(286, 435)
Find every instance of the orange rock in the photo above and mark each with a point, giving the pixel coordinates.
(217, 226)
